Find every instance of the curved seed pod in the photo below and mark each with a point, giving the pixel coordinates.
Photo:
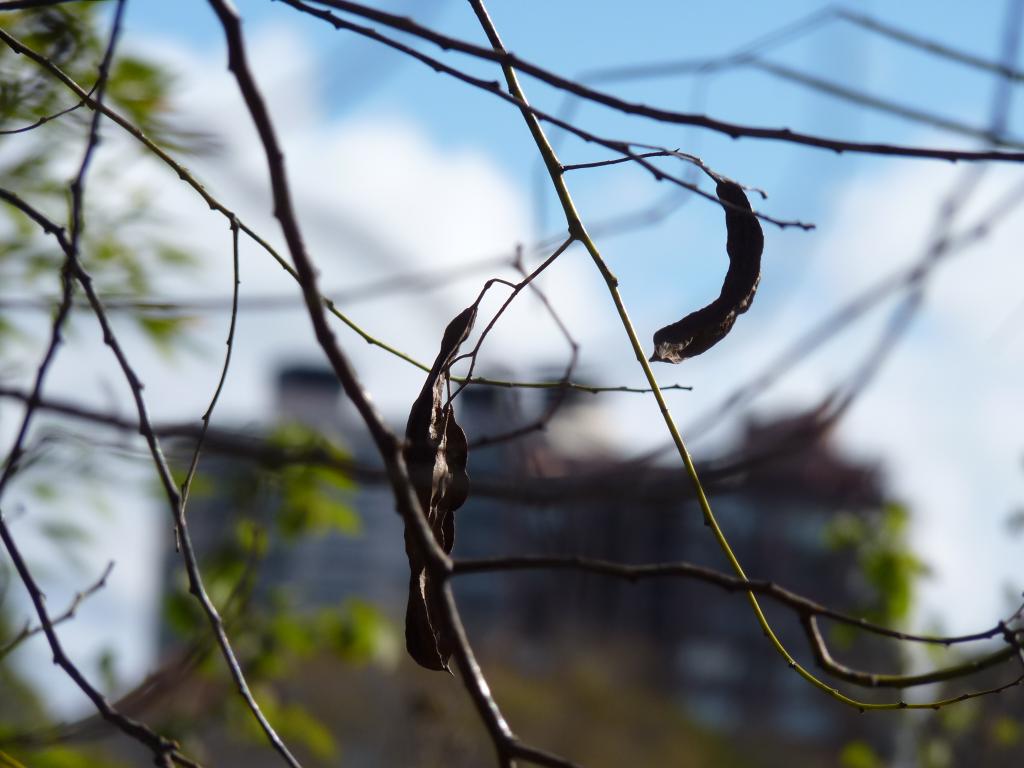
(699, 331)
(436, 454)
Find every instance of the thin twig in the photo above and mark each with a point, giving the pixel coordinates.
(801, 605)
(873, 680)
(615, 161)
(41, 121)
(417, 281)
(521, 751)
(558, 400)
(878, 104)
(1007, 71)
(516, 289)
(812, 82)
(511, 61)
(186, 486)
(625, 148)
(69, 613)
(172, 675)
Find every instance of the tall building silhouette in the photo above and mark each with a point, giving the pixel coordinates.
(564, 491)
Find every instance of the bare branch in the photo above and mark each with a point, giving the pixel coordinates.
(194, 464)
(803, 606)
(42, 120)
(873, 680)
(509, 60)
(556, 402)
(69, 613)
(933, 47)
(527, 280)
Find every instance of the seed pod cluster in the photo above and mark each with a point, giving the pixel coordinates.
(699, 331)
(436, 453)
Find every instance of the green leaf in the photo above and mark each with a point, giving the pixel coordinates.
(63, 532)
(67, 757)
(360, 633)
(139, 88)
(251, 536)
(45, 491)
(859, 754)
(181, 613)
(961, 718)
(173, 256)
(163, 331)
(107, 665)
(937, 753)
(312, 503)
(880, 544)
(294, 723)
(1005, 731)
(297, 725)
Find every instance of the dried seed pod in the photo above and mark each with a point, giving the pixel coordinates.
(436, 453)
(699, 331)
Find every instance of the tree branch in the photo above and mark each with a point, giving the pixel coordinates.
(734, 130)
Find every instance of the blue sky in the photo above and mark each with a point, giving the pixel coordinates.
(396, 167)
(357, 79)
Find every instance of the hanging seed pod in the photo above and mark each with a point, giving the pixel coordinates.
(699, 331)
(436, 454)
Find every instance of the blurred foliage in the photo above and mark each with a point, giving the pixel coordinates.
(859, 754)
(64, 757)
(293, 723)
(880, 546)
(983, 731)
(313, 497)
(122, 246)
(259, 513)
(886, 571)
(262, 513)
(936, 753)
(124, 249)
(21, 706)
(1005, 731)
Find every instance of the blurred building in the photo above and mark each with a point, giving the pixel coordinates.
(564, 491)
(775, 493)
